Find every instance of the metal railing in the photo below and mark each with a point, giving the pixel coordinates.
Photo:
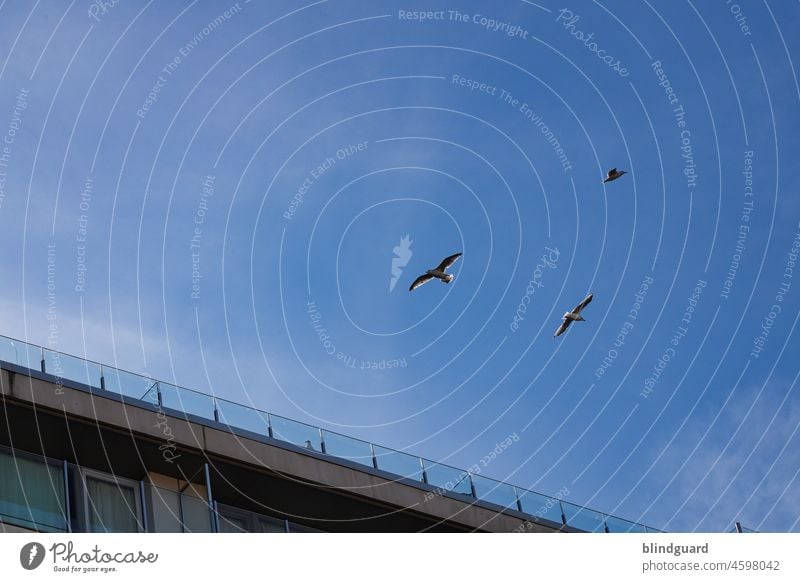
(443, 478)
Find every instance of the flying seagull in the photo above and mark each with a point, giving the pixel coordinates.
(574, 315)
(438, 272)
(613, 174)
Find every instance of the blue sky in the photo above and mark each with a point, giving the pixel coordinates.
(298, 143)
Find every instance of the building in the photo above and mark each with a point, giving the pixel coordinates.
(87, 447)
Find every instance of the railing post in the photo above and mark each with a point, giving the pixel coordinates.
(181, 512)
(739, 527)
(41, 351)
(144, 508)
(424, 472)
(517, 497)
(67, 510)
(215, 516)
(269, 426)
(472, 486)
(563, 515)
(322, 441)
(216, 411)
(102, 378)
(374, 458)
(212, 505)
(158, 394)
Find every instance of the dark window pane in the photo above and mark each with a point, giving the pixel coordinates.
(232, 524)
(265, 524)
(32, 493)
(297, 528)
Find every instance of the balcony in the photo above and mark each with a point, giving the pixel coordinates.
(190, 404)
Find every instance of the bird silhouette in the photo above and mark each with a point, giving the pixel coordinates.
(613, 174)
(437, 273)
(574, 315)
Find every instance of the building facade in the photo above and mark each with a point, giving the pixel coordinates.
(88, 448)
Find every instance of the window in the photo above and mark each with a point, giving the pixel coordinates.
(297, 528)
(230, 522)
(174, 512)
(32, 492)
(111, 504)
(234, 520)
(165, 511)
(196, 515)
(266, 524)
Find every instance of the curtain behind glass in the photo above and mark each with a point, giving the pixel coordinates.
(32, 493)
(266, 524)
(232, 524)
(112, 507)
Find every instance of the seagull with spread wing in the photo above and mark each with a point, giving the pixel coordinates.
(574, 315)
(613, 174)
(437, 273)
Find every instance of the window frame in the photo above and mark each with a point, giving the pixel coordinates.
(250, 518)
(108, 478)
(65, 501)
